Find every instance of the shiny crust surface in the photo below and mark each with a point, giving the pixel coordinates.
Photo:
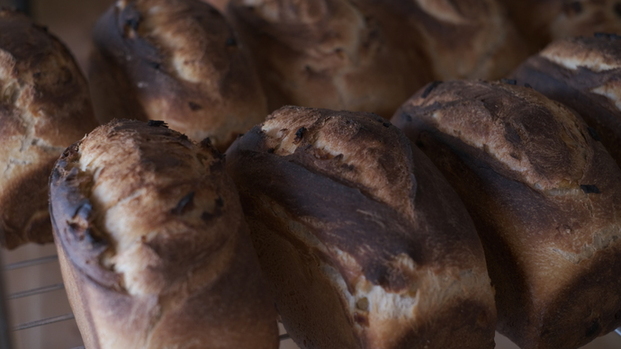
(177, 61)
(544, 196)
(583, 73)
(153, 245)
(352, 206)
(44, 107)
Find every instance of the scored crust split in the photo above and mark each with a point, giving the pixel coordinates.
(545, 198)
(44, 107)
(152, 244)
(364, 243)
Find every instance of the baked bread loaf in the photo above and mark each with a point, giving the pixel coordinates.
(463, 39)
(177, 61)
(44, 107)
(542, 22)
(583, 73)
(153, 247)
(336, 54)
(364, 243)
(544, 196)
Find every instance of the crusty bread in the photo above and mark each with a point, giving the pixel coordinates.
(44, 107)
(152, 243)
(542, 22)
(365, 245)
(464, 39)
(337, 54)
(583, 73)
(177, 61)
(545, 198)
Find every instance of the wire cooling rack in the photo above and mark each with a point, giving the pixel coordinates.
(31, 290)
(34, 310)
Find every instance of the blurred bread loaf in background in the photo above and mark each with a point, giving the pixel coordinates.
(44, 107)
(543, 21)
(335, 54)
(177, 61)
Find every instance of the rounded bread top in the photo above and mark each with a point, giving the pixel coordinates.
(136, 204)
(532, 139)
(185, 65)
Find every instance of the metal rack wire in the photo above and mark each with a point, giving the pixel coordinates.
(7, 330)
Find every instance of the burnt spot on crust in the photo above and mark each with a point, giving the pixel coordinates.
(208, 216)
(194, 106)
(430, 88)
(593, 329)
(186, 203)
(231, 42)
(133, 22)
(593, 133)
(527, 85)
(219, 202)
(590, 189)
(361, 319)
(299, 134)
(154, 65)
(157, 123)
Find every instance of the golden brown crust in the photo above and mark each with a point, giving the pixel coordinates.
(463, 39)
(350, 223)
(583, 73)
(544, 196)
(342, 55)
(542, 22)
(44, 107)
(154, 250)
(178, 61)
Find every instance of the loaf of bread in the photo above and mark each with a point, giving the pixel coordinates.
(363, 241)
(336, 54)
(44, 107)
(545, 197)
(583, 73)
(177, 61)
(463, 39)
(153, 246)
(541, 22)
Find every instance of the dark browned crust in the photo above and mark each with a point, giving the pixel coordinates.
(517, 220)
(44, 107)
(312, 190)
(341, 55)
(202, 303)
(134, 74)
(574, 87)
